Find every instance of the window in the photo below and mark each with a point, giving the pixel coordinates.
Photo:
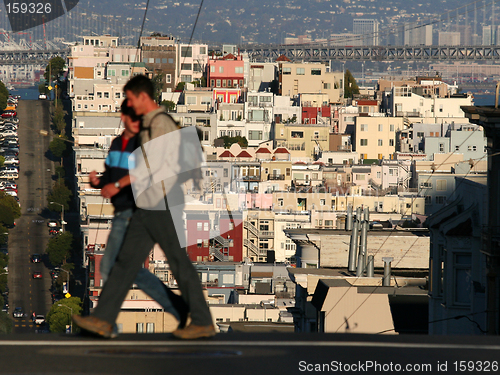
(125, 72)
(238, 70)
(360, 177)
(441, 185)
(322, 202)
(218, 83)
(391, 127)
(150, 328)
(379, 174)
(212, 69)
(363, 142)
(420, 134)
(462, 278)
(440, 199)
(301, 71)
(391, 142)
(111, 72)
(186, 78)
(191, 100)
(117, 95)
(380, 127)
(287, 70)
(327, 86)
(205, 227)
(157, 60)
(163, 60)
(254, 135)
(199, 242)
(441, 147)
(186, 66)
(168, 78)
(315, 72)
(139, 328)
(221, 69)
(99, 95)
(428, 200)
(457, 148)
(364, 127)
(186, 51)
(203, 50)
(206, 100)
(199, 226)
(380, 142)
(106, 95)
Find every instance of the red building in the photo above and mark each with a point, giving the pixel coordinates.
(310, 114)
(224, 243)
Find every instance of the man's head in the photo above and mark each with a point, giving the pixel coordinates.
(140, 94)
(131, 121)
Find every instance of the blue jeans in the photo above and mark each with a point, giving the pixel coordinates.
(145, 280)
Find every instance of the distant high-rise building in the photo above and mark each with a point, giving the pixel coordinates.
(416, 36)
(368, 30)
(449, 38)
(488, 36)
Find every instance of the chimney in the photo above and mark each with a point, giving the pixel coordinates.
(370, 266)
(348, 224)
(386, 281)
(354, 242)
(362, 246)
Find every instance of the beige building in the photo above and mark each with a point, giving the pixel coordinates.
(307, 78)
(303, 141)
(375, 137)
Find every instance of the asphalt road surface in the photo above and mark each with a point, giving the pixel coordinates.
(30, 235)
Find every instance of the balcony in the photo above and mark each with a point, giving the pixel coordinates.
(319, 139)
(275, 177)
(249, 178)
(268, 234)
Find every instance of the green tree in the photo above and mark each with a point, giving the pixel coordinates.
(2, 160)
(350, 85)
(180, 86)
(228, 141)
(59, 248)
(60, 172)
(11, 206)
(55, 68)
(4, 95)
(58, 119)
(58, 146)
(60, 194)
(60, 316)
(5, 323)
(169, 105)
(158, 85)
(4, 234)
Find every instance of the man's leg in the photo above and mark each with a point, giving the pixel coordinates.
(161, 227)
(156, 289)
(115, 241)
(134, 251)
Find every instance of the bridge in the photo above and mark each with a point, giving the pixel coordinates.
(324, 53)
(31, 56)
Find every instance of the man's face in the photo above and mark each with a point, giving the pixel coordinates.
(131, 127)
(135, 101)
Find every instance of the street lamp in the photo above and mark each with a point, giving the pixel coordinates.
(62, 214)
(70, 320)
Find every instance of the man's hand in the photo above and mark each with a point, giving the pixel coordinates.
(109, 190)
(94, 180)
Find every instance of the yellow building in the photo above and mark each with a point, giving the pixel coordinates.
(302, 140)
(375, 137)
(306, 78)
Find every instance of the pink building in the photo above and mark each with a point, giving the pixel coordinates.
(226, 72)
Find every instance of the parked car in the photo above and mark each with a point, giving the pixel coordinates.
(39, 319)
(37, 275)
(8, 132)
(7, 114)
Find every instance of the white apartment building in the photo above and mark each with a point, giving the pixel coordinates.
(191, 62)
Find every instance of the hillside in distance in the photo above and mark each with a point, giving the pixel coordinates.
(256, 21)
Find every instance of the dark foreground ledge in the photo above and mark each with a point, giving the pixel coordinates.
(248, 353)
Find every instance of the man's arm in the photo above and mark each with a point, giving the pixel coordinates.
(110, 190)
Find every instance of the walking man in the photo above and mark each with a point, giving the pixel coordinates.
(115, 184)
(152, 222)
